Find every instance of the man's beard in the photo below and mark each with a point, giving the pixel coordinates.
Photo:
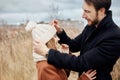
(95, 21)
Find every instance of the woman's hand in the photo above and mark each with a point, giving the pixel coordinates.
(40, 48)
(89, 75)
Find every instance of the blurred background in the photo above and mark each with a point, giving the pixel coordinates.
(20, 11)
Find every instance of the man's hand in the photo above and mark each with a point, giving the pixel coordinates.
(64, 48)
(55, 23)
(40, 48)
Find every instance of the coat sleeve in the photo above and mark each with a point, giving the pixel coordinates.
(74, 44)
(104, 55)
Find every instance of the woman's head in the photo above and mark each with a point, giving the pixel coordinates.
(52, 43)
(41, 32)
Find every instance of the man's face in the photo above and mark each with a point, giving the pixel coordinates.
(90, 14)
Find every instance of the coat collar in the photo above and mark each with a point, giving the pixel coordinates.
(105, 23)
(106, 20)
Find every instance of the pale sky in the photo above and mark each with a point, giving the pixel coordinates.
(18, 11)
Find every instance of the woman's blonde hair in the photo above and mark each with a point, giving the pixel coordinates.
(51, 44)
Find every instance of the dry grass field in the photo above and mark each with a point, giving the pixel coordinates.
(16, 61)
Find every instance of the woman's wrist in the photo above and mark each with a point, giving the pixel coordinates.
(46, 52)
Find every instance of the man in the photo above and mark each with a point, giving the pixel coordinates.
(99, 43)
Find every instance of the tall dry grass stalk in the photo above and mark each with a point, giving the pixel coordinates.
(16, 62)
(116, 71)
(16, 58)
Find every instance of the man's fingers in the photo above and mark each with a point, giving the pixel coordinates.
(55, 22)
(64, 45)
(52, 23)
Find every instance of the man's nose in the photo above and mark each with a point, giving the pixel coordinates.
(84, 15)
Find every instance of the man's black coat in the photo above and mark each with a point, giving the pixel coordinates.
(99, 49)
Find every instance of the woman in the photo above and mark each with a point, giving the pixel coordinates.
(45, 33)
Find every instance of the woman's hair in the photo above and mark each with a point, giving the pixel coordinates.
(51, 44)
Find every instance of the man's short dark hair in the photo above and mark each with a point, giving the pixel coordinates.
(98, 4)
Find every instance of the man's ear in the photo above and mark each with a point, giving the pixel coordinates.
(102, 11)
